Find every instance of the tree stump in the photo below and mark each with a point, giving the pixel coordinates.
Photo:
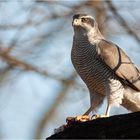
(114, 127)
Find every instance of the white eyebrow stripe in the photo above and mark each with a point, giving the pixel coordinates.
(89, 17)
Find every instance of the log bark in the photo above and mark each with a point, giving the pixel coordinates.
(115, 127)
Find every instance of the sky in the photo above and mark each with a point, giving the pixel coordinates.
(26, 96)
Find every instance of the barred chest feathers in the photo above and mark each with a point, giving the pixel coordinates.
(97, 76)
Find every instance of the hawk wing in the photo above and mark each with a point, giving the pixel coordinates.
(120, 63)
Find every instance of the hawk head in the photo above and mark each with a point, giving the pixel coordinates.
(83, 23)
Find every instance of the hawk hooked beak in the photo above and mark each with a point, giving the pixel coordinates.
(76, 22)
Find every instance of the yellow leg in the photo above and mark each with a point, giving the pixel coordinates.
(96, 116)
(82, 118)
(85, 116)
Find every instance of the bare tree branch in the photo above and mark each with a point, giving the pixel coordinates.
(18, 63)
(50, 114)
(121, 21)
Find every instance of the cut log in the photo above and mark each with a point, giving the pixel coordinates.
(114, 127)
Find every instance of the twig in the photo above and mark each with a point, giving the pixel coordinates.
(121, 20)
(49, 114)
(11, 60)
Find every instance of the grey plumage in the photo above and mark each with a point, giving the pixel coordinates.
(103, 66)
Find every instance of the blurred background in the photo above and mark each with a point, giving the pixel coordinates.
(39, 87)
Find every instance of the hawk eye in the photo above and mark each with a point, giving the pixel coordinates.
(83, 19)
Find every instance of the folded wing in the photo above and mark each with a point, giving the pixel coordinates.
(120, 63)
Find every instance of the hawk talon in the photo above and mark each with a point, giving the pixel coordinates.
(83, 118)
(72, 120)
(96, 116)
